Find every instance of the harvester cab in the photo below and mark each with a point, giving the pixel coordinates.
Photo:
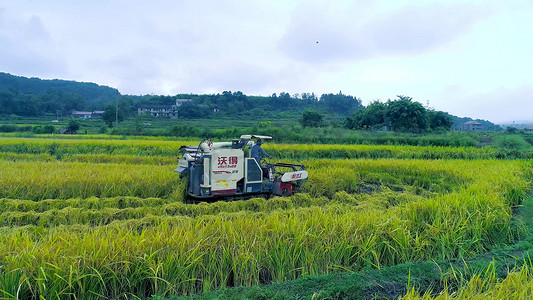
(226, 169)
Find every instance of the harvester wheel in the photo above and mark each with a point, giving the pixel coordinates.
(284, 192)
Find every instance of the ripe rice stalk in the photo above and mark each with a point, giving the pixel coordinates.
(103, 237)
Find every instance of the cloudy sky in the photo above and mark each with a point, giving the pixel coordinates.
(470, 58)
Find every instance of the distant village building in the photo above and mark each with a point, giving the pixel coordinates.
(529, 128)
(158, 111)
(472, 126)
(179, 102)
(87, 114)
(162, 111)
(82, 114)
(98, 114)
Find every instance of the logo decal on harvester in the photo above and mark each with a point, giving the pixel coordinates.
(227, 162)
(296, 175)
(221, 172)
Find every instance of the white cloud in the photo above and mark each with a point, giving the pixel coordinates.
(326, 33)
(370, 49)
(499, 104)
(26, 45)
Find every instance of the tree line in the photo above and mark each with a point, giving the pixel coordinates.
(401, 115)
(36, 97)
(237, 104)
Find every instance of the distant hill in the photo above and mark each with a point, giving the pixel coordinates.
(88, 90)
(36, 97)
(33, 96)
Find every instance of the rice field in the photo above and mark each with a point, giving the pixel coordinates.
(156, 147)
(102, 218)
(518, 284)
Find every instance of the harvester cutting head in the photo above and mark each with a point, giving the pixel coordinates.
(228, 169)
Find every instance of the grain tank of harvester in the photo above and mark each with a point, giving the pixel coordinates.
(226, 169)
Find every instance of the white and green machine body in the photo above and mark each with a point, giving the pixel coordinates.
(225, 169)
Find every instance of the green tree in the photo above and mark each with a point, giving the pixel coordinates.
(110, 112)
(406, 115)
(374, 115)
(73, 126)
(190, 110)
(511, 130)
(439, 120)
(340, 103)
(49, 129)
(311, 118)
(110, 115)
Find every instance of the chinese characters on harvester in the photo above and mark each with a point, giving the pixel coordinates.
(227, 162)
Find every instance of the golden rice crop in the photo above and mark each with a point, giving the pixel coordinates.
(518, 284)
(17, 205)
(62, 180)
(121, 159)
(66, 146)
(356, 176)
(419, 210)
(92, 158)
(302, 151)
(26, 157)
(50, 180)
(227, 249)
(60, 147)
(112, 229)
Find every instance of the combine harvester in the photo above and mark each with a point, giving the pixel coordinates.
(226, 170)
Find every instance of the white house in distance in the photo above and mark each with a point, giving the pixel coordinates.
(179, 102)
(87, 114)
(472, 126)
(162, 111)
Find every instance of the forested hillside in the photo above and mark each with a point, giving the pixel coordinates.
(237, 104)
(34, 97)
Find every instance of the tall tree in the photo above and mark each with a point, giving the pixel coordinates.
(311, 119)
(407, 116)
(124, 111)
(340, 103)
(73, 126)
(374, 115)
(439, 120)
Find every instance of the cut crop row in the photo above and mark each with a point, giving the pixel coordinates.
(183, 255)
(50, 213)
